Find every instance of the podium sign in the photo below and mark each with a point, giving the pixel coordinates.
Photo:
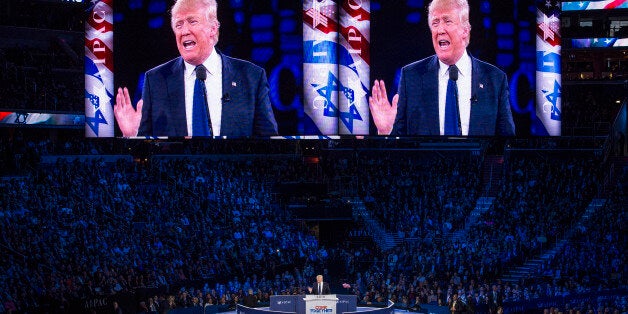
(283, 303)
(327, 304)
(346, 303)
(320, 304)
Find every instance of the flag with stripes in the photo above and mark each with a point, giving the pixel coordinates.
(336, 64)
(599, 42)
(594, 5)
(99, 90)
(354, 77)
(548, 71)
(320, 69)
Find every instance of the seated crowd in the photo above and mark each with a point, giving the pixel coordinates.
(196, 231)
(589, 110)
(42, 78)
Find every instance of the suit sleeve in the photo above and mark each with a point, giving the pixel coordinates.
(264, 121)
(505, 125)
(400, 125)
(146, 124)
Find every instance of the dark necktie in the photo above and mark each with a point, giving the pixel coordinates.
(201, 123)
(452, 115)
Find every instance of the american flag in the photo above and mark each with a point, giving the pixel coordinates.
(99, 89)
(594, 5)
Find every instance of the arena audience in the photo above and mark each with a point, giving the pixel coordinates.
(196, 231)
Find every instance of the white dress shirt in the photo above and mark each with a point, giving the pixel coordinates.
(464, 92)
(213, 84)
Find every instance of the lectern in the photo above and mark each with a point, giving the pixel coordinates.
(320, 304)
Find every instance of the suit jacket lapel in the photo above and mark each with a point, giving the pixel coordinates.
(474, 116)
(227, 89)
(430, 80)
(176, 99)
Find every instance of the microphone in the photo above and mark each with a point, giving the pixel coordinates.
(453, 73)
(474, 98)
(226, 98)
(201, 74)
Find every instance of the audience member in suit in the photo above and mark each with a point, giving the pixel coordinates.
(456, 306)
(495, 300)
(237, 91)
(250, 300)
(419, 108)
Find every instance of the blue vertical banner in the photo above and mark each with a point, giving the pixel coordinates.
(99, 121)
(548, 71)
(320, 65)
(355, 25)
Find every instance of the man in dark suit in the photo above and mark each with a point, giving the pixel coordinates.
(495, 300)
(233, 93)
(250, 300)
(455, 305)
(450, 93)
(320, 287)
